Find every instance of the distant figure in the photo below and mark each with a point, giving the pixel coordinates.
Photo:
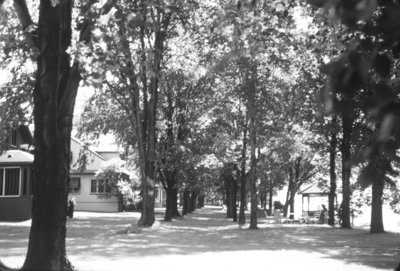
(323, 214)
(70, 208)
(340, 213)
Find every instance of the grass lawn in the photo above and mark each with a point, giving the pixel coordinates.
(206, 240)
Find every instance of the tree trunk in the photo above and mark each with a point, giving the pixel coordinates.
(54, 100)
(171, 208)
(270, 197)
(201, 201)
(228, 197)
(234, 199)
(347, 124)
(291, 203)
(376, 207)
(169, 204)
(243, 194)
(147, 216)
(174, 204)
(289, 192)
(186, 202)
(193, 200)
(253, 176)
(332, 173)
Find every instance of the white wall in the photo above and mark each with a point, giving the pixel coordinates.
(85, 200)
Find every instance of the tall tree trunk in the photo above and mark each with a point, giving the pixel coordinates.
(289, 192)
(228, 196)
(253, 176)
(186, 209)
(174, 204)
(234, 199)
(171, 203)
(201, 201)
(378, 167)
(168, 205)
(171, 208)
(376, 207)
(54, 99)
(347, 123)
(332, 173)
(193, 200)
(291, 202)
(243, 194)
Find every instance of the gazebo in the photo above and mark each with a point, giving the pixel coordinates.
(313, 197)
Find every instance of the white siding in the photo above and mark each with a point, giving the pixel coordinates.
(86, 201)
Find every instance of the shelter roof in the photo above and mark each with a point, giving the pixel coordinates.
(314, 189)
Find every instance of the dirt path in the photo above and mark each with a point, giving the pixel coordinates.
(206, 240)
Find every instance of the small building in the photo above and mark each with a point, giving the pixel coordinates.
(16, 175)
(89, 193)
(16, 166)
(313, 197)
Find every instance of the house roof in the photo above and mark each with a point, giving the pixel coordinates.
(16, 157)
(314, 189)
(90, 149)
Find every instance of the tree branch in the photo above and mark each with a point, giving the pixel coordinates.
(26, 21)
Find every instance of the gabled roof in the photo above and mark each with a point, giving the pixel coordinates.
(90, 149)
(16, 157)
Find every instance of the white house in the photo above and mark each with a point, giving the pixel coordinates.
(89, 193)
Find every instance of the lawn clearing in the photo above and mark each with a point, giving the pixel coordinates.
(206, 240)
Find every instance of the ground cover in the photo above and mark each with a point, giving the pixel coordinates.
(206, 240)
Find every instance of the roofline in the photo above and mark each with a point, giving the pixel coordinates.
(92, 151)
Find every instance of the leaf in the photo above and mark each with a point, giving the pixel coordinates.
(382, 65)
(383, 94)
(367, 176)
(318, 3)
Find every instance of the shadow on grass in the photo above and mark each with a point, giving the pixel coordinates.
(207, 230)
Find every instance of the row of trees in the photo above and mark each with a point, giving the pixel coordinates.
(201, 90)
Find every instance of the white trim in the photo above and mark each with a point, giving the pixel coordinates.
(4, 183)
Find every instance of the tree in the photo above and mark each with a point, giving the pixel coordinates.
(114, 175)
(56, 85)
(143, 29)
(370, 74)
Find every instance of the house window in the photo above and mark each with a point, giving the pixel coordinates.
(25, 181)
(10, 181)
(74, 185)
(99, 187)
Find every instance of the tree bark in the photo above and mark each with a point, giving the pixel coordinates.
(376, 207)
(54, 99)
(242, 217)
(347, 124)
(186, 202)
(193, 200)
(201, 201)
(234, 199)
(228, 192)
(289, 192)
(171, 210)
(171, 204)
(332, 174)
